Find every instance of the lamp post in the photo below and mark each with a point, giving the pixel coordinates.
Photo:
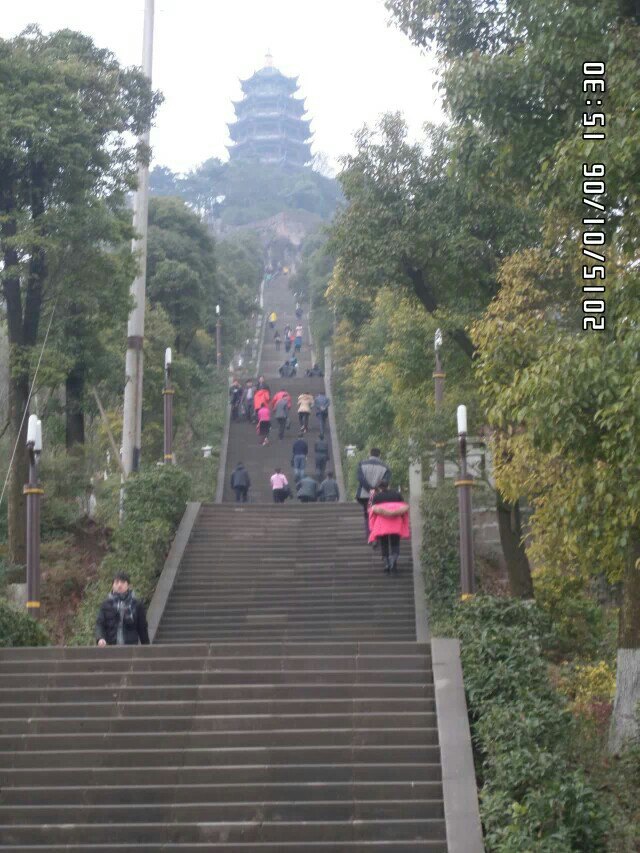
(464, 484)
(218, 339)
(439, 377)
(168, 393)
(34, 492)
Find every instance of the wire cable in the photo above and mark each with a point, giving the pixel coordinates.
(24, 414)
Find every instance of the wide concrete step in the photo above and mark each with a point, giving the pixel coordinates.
(350, 772)
(207, 812)
(205, 707)
(232, 723)
(171, 679)
(317, 648)
(211, 740)
(371, 846)
(226, 831)
(187, 794)
(99, 664)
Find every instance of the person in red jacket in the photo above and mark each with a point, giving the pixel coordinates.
(388, 523)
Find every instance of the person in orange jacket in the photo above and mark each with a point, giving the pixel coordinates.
(260, 397)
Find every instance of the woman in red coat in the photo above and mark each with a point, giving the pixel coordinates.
(388, 523)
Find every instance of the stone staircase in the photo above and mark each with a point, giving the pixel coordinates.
(286, 572)
(284, 706)
(231, 746)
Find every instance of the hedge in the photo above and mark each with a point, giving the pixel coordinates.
(154, 504)
(17, 628)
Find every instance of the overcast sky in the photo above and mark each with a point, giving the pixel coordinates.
(352, 65)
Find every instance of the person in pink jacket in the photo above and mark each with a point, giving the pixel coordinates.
(388, 523)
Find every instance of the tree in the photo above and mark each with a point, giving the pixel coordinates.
(68, 114)
(181, 268)
(434, 221)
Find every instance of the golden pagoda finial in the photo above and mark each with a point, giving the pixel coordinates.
(269, 59)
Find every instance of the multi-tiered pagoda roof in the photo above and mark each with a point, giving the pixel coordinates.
(269, 126)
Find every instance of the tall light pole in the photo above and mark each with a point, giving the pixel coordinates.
(132, 421)
(218, 339)
(464, 484)
(33, 492)
(439, 377)
(168, 409)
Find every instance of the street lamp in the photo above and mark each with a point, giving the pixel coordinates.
(218, 337)
(33, 492)
(168, 393)
(439, 377)
(464, 484)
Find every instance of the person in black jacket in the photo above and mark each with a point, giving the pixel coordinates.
(122, 620)
(372, 472)
(240, 482)
(299, 454)
(321, 449)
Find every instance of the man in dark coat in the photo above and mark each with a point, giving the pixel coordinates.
(307, 490)
(328, 491)
(122, 620)
(372, 472)
(321, 450)
(299, 454)
(240, 482)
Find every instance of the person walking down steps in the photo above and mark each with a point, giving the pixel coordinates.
(389, 522)
(240, 483)
(264, 423)
(372, 472)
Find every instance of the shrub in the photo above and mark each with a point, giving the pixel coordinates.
(577, 619)
(440, 554)
(531, 797)
(154, 504)
(20, 629)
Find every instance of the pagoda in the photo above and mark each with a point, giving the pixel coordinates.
(269, 126)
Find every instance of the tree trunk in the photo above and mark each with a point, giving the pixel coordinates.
(17, 521)
(624, 721)
(510, 527)
(74, 408)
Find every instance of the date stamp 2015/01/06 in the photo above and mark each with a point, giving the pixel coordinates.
(593, 194)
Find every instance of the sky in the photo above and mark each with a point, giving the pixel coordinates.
(351, 64)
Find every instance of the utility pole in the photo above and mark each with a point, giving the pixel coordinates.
(132, 422)
(439, 377)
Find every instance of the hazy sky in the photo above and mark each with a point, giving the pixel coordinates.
(352, 65)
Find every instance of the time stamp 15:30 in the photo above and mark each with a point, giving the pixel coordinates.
(593, 195)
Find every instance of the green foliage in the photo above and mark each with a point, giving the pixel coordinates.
(154, 504)
(531, 796)
(19, 629)
(578, 620)
(440, 553)
(242, 192)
